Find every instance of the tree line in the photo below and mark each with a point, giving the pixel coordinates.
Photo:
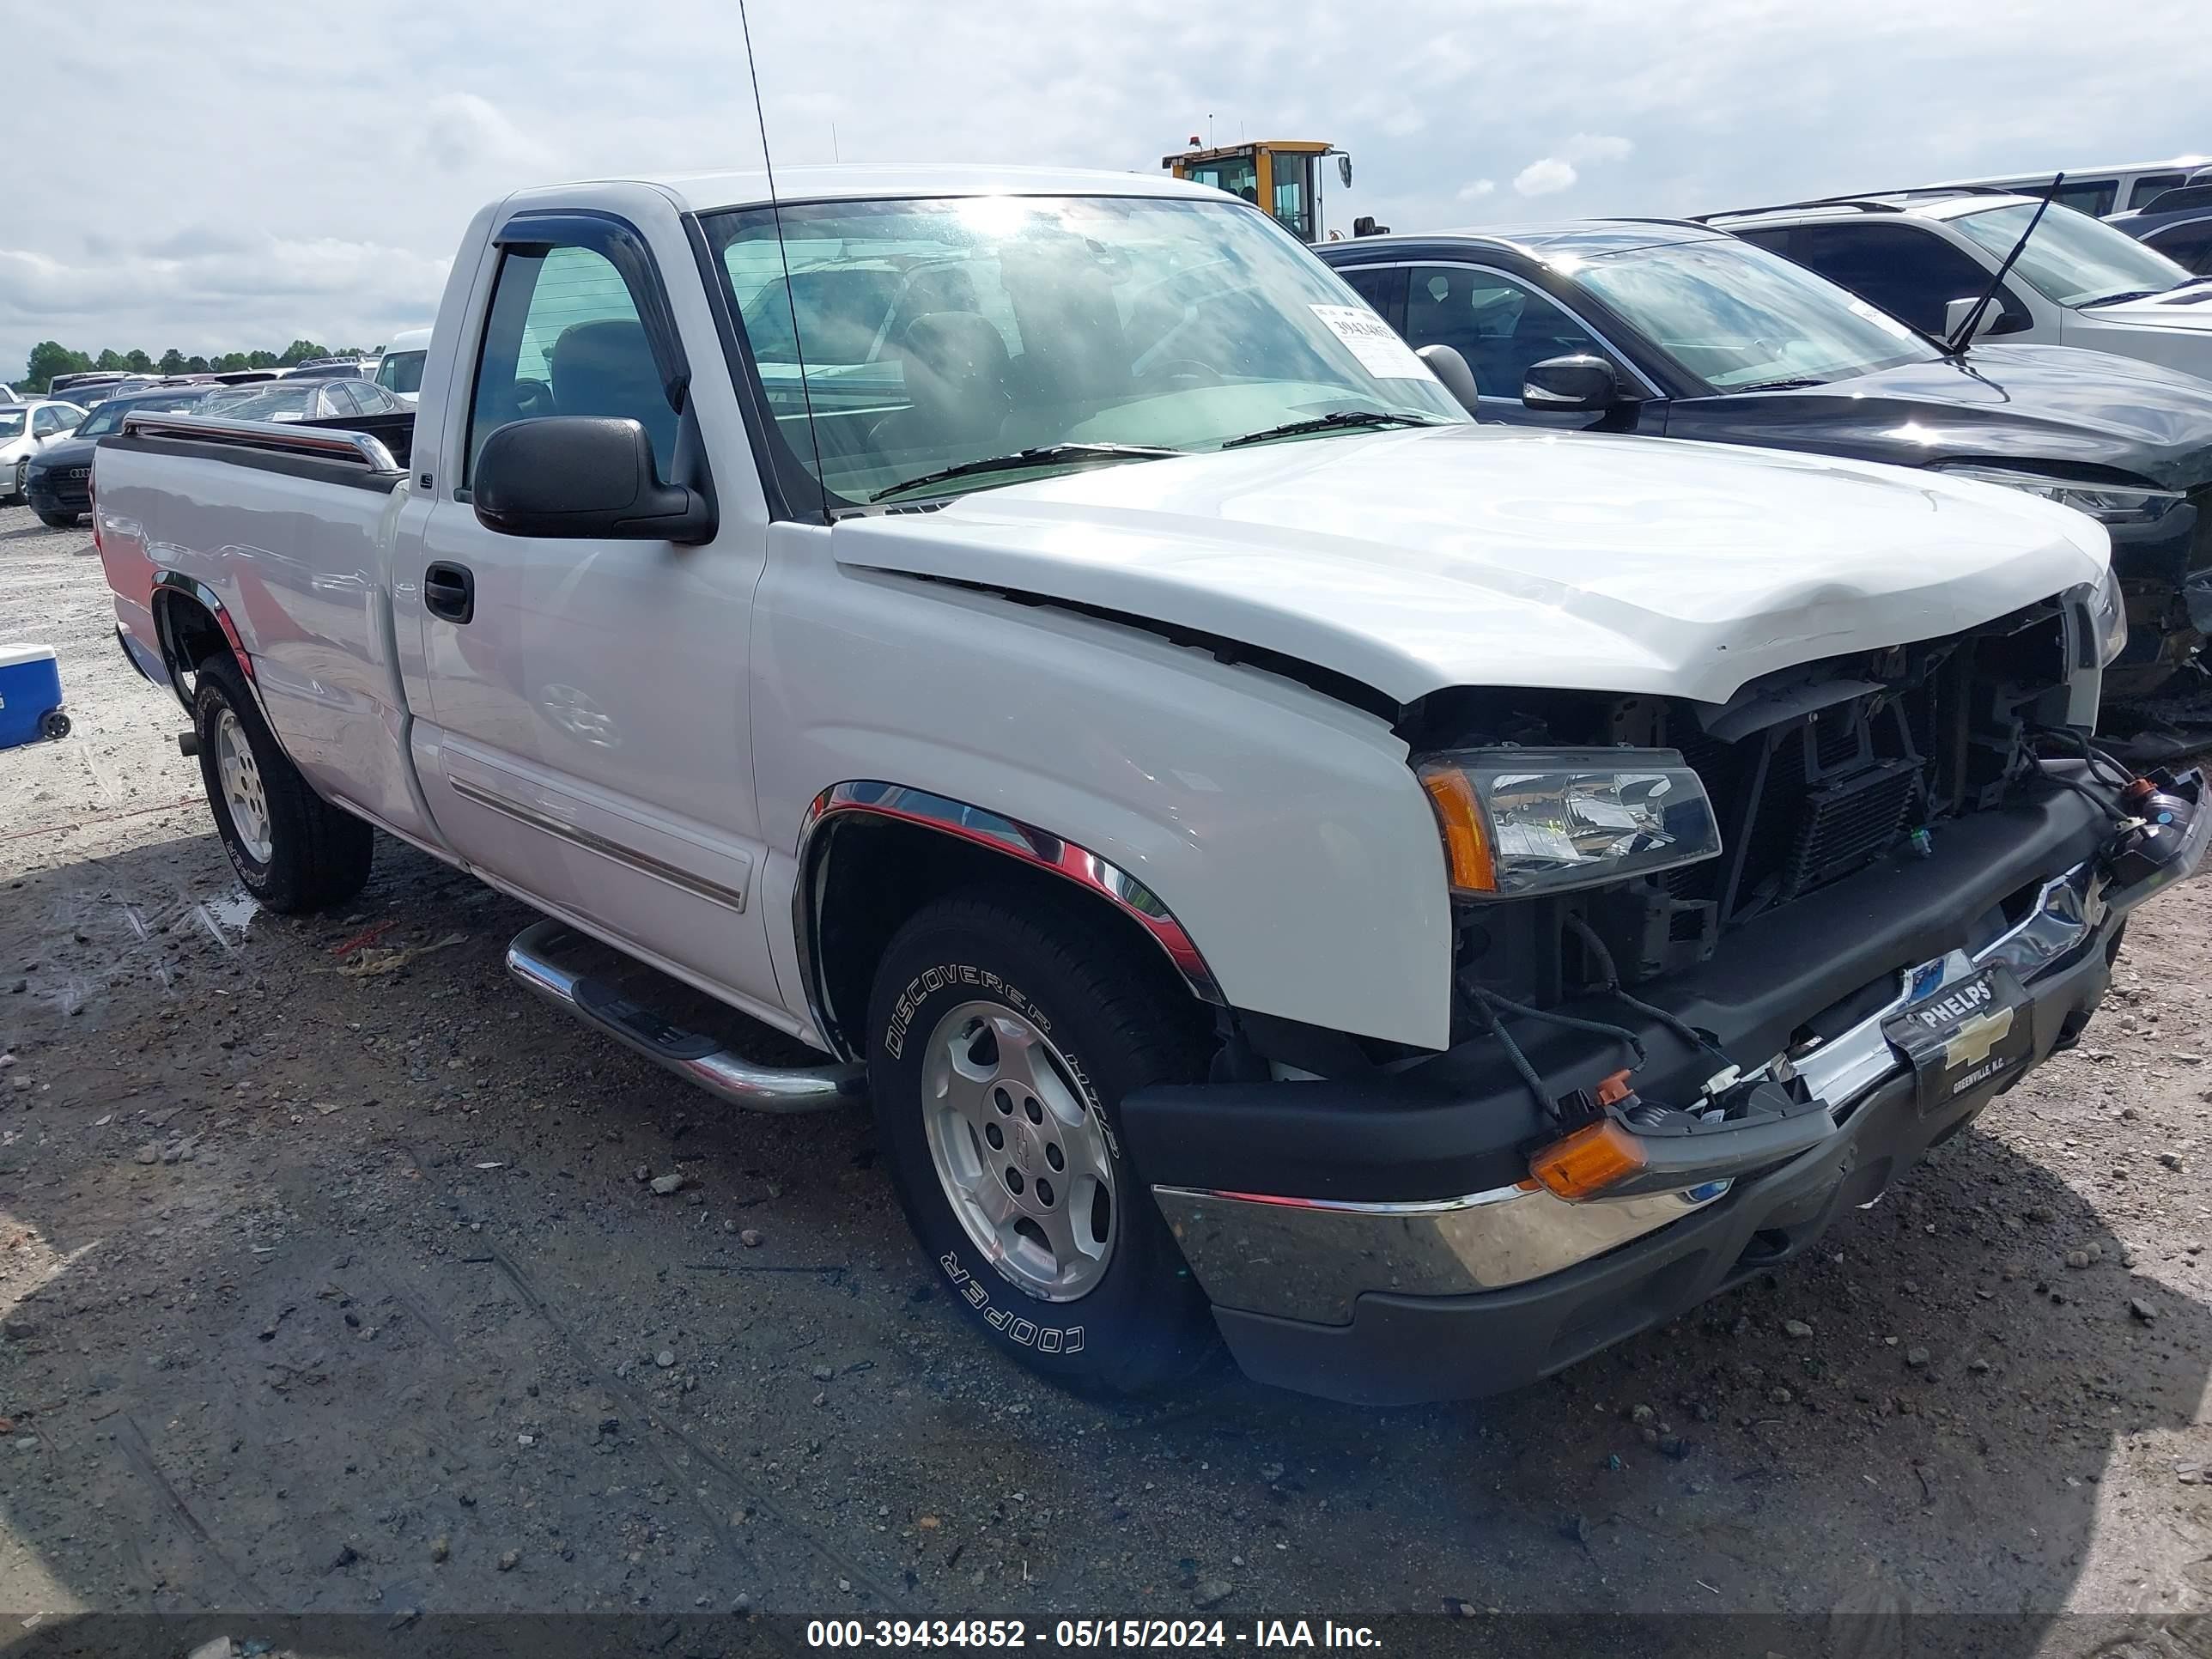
(50, 358)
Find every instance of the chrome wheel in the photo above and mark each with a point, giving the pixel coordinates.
(241, 788)
(23, 478)
(1023, 1160)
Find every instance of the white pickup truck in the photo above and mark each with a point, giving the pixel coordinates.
(1423, 901)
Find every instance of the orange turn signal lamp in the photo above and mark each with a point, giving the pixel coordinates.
(1586, 1162)
(1467, 857)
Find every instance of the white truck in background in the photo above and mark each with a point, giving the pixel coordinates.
(1422, 901)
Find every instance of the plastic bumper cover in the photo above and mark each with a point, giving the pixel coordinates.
(1384, 1302)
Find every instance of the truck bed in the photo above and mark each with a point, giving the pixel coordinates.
(395, 432)
(281, 528)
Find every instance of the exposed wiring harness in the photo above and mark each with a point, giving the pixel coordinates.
(1492, 1006)
(2089, 752)
(2090, 755)
(1674, 1023)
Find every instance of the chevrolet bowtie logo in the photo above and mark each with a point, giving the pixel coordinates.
(1971, 1043)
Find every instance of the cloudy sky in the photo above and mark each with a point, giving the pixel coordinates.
(220, 177)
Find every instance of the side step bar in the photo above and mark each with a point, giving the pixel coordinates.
(549, 958)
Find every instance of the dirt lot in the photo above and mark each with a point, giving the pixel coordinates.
(328, 1283)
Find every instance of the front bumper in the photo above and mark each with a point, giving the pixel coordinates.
(1386, 1300)
(59, 489)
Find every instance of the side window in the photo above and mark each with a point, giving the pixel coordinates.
(1499, 325)
(1382, 287)
(2093, 197)
(1908, 271)
(2148, 184)
(374, 399)
(564, 337)
(48, 422)
(2188, 245)
(1775, 238)
(340, 398)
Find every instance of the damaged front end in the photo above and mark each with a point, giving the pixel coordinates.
(1721, 972)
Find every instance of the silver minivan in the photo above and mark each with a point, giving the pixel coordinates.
(2099, 191)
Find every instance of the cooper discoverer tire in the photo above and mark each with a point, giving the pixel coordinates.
(1000, 1042)
(293, 849)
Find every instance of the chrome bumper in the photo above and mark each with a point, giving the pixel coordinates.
(1311, 1259)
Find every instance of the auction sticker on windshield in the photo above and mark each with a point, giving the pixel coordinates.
(1380, 352)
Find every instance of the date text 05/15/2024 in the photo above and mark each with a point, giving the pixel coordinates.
(1086, 1633)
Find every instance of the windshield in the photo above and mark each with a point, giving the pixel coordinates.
(401, 371)
(2072, 259)
(11, 422)
(108, 417)
(939, 333)
(1736, 317)
(262, 403)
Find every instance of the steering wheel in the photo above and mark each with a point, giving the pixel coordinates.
(1188, 370)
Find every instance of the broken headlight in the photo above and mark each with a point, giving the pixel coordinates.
(2108, 615)
(1517, 822)
(2106, 504)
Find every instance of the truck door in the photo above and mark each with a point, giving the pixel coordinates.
(589, 741)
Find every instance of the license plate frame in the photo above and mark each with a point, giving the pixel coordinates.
(1973, 1031)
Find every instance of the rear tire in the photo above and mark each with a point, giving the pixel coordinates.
(1000, 1044)
(293, 849)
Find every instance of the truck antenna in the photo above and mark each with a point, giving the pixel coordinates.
(783, 255)
(1956, 345)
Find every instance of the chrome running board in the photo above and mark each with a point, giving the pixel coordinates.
(556, 962)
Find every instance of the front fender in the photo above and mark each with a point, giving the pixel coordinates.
(1280, 829)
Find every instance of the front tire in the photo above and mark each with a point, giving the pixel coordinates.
(58, 521)
(1001, 1041)
(19, 489)
(293, 849)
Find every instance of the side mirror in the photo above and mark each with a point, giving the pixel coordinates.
(1577, 384)
(1996, 319)
(583, 475)
(1449, 367)
(1344, 170)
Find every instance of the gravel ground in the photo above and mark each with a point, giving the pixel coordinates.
(328, 1284)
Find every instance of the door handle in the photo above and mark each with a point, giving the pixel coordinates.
(450, 591)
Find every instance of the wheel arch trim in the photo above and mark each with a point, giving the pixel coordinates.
(175, 587)
(994, 832)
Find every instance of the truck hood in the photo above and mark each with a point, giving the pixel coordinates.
(1496, 555)
(2053, 407)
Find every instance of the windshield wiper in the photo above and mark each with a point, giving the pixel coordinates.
(2126, 295)
(1781, 385)
(1044, 455)
(1335, 418)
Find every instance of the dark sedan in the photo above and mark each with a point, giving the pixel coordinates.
(1677, 331)
(59, 481)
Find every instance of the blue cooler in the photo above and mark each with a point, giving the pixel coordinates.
(30, 694)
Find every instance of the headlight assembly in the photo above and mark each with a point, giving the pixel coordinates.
(2106, 504)
(2108, 612)
(1517, 822)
